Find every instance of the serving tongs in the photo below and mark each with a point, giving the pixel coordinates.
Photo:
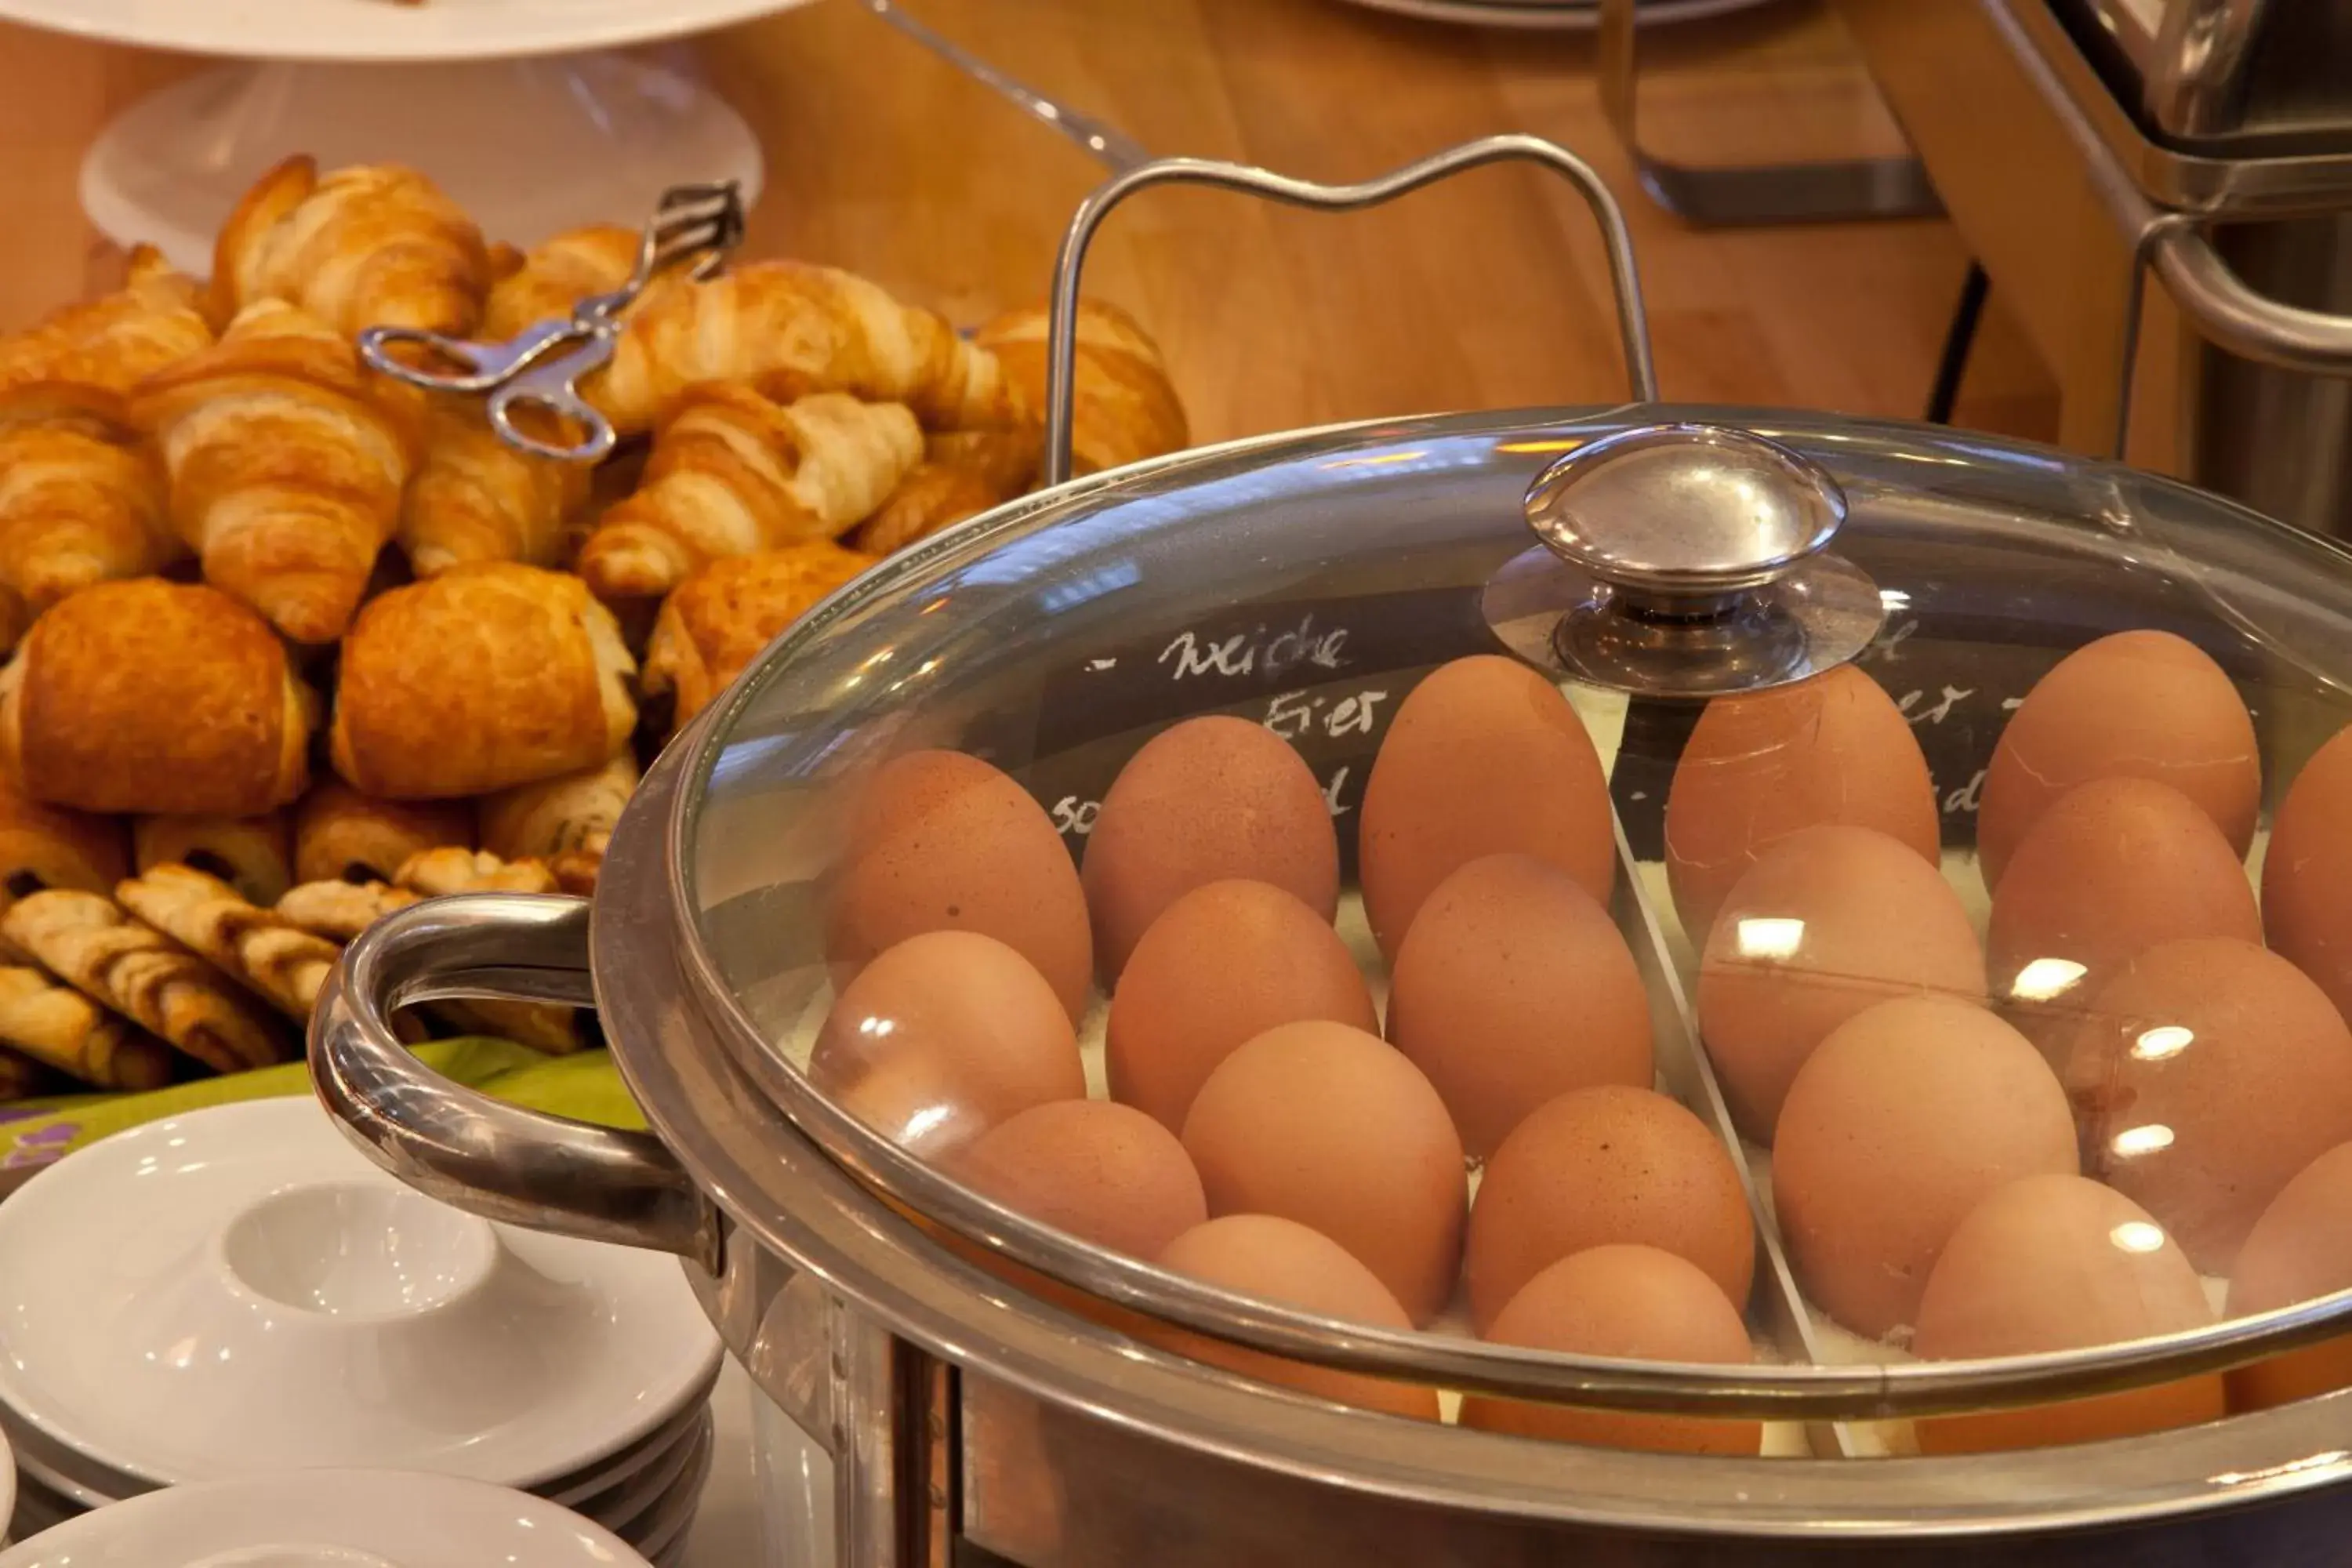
(538, 371)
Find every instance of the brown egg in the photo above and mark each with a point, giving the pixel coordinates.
(1485, 757)
(1221, 965)
(2208, 1072)
(1601, 1165)
(1829, 921)
(941, 841)
(1107, 1174)
(2307, 870)
(1205, 800)
(1756, 768)
(1283, 1261)
(1512, 988)
(1323, 1124)
(2059, 1263)
(1904, 1118)
(1624, 1301)
(2145, 705)
(2299, 1250)
(943, 1036)
(2108, 872)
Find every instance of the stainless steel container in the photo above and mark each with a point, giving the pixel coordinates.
(988, 1385)
(2077, 141)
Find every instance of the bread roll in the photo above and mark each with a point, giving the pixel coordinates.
(483, 677)
(149, 696)
(541, 821)
(252, 854)
(342, 836)
(719, 618)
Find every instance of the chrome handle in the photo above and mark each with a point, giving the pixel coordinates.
(1632, 324)
(2236, 316)
(499, 1160)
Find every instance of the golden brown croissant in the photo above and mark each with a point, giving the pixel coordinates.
(932, 497)
(373, 244)
(277, 960)
(557, 274)
(1125, 408)
(252, 854)
(287, 463)
(87, 940)
(342, 836)
(60, 1028)
(475, 498)
(787, 328)
(720, 617)
(486, 676)
(734, 473)
(540, 821)
(149, 696)
(81, 501)
(151, 323)
(340, 910)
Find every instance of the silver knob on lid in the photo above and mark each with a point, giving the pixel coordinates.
(1684, 561)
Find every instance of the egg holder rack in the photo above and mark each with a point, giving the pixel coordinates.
(842, 1267)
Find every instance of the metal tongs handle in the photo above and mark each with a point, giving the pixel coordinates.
(1632, 322)
(540, 369)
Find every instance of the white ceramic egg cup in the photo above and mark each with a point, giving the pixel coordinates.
(238, 1292)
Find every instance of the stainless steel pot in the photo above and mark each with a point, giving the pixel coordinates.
(973, 1373)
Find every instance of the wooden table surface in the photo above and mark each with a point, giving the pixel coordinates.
(1486, 292)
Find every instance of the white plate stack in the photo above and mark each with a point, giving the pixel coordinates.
(237, 1292)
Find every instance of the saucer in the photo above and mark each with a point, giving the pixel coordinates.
(243, 1270)
(331, 1519)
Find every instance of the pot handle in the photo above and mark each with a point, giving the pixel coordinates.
(1062, 347)
(499, 1160)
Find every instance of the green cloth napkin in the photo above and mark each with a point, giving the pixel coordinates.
(585, 1085)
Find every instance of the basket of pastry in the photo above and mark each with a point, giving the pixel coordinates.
(296, 641)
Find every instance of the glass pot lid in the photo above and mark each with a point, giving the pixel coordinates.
(1179, 887)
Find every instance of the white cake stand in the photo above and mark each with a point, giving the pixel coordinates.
(517, 108)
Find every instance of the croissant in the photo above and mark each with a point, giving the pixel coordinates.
(340, 910)
(277, 959)
(286, 466)
(541, 821)
(1124, 407)
(932, 497)
(149, 696)
(252, 854)
(80, 500)
(487, 675)
(368, 246)
(112, 343)
(340, 834)
(475, 498)
(719, 618)
(787, 328)
(734, 473)
(125, 964)
(61, 1028)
